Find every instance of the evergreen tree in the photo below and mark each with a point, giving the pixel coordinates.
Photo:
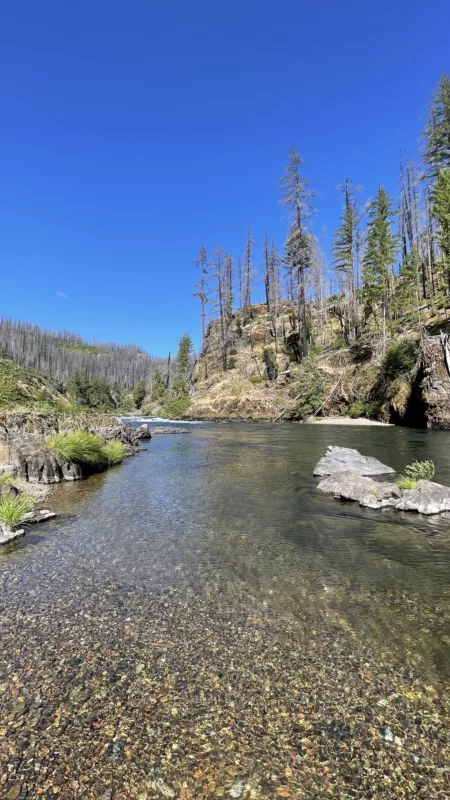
(440, 198)
(184, 363)
(344, 252)
(297, 197)
(437, 132)
(139, 392)
(381, 251)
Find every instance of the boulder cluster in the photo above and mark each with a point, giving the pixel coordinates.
(347, 472)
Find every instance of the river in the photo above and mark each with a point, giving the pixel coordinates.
(201, 622)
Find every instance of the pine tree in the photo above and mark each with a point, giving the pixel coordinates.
(379, 258)
(297, 197)
(440, 198)
(437, 132)
(344, 252)
(183, 365)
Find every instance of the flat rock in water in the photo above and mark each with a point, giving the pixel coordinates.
(345, 459)
(167, 429)
(362, 490)
(428, 498)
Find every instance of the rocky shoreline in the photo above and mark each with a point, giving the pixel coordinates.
(28, 470)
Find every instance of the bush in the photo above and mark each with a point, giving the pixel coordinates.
(78, 447)
(175, 406)
(256, 379)
(115, 452)
(308, 384)
(356, 410)
(401, 359)
(14, 508)
(231, 363)
(420, 470)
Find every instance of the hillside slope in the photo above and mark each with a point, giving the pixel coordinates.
(358, 381)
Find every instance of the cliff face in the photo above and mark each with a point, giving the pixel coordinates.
(436, 384)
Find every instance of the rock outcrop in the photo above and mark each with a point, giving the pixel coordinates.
(39, 466)
(360, 489)
(435, 384)
(427, 498)
(347, 460)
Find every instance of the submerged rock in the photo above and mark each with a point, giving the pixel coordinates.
(166, 430)
(345, 459)
(361, 489)
(8, 533)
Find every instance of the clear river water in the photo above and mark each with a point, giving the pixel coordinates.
(201, 622)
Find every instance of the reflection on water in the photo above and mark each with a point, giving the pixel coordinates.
(215, 547)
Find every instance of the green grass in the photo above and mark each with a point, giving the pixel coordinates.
(404, 482)
(115, 452)
(6, 479)
(13, 509)
(78, 447)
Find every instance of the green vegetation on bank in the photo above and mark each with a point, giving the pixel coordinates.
(85, 449)
(78, 447)
(14, 508)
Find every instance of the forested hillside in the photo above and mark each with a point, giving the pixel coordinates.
(375, 294)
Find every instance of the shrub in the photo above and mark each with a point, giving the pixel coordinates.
(400, 359)
(14, 508)
(420, 470)
(307, 389)
(356, 410)
(231, 363)
(78, 447)
(115, 452)
(175, 406)
(256, 379)
(406, 483)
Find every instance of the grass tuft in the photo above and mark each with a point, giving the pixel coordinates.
(13, 509)
(405, 482)
(78, 447)
(115, 452)
(6, 479)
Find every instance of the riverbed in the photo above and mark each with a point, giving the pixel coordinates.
(201, 623)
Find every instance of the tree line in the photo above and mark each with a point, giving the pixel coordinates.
(388, 268)
(69, 358)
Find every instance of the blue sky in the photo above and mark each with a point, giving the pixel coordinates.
(133, 132)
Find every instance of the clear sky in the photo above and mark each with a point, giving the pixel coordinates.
(132, 132)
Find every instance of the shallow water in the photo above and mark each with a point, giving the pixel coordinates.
(201, 621)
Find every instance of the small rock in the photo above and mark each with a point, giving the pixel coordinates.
(388, 735)
(237, 789)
